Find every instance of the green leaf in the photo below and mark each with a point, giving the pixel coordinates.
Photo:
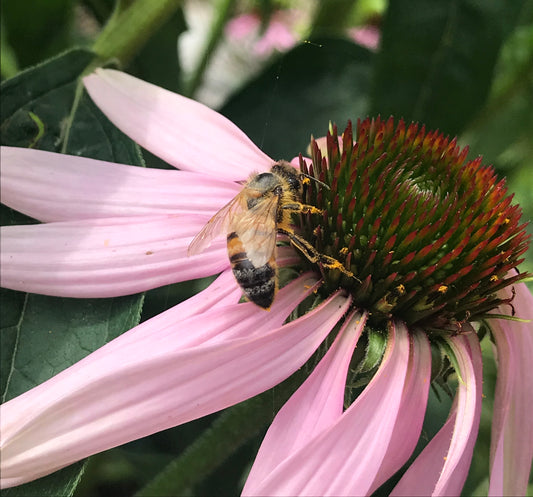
(53, 333)
(377, 343)
(41, 335)
(46, 90)
(62, 483)
(437, 59)
(91, 134)
(317, 82)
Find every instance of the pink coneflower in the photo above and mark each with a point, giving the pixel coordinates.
(431, 239)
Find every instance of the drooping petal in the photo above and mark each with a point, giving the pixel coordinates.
(173, 385)
(412, 410)
(314, 407)
(57, 187)
(105, 257)
(344, 458)
(180, 131)
(512, 424)
(241, 322)
(442, 467)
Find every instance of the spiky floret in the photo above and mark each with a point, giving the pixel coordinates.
(430, 236)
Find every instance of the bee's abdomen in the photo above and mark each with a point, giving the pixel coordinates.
(257, 283)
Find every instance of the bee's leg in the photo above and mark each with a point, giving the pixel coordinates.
(313, 255)
(297, 207)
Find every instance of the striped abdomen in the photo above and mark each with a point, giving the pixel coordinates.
(258, 283)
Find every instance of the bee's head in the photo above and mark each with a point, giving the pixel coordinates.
(290, 174)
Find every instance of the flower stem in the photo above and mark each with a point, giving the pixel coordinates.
(222, 12)
(129, 28)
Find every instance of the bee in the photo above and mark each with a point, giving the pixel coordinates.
(252, 220)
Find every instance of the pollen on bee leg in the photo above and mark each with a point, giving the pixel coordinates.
(311, 209)
(331, 263)
(304, 208)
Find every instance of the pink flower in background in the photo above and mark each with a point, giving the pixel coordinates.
(279, 34)
(112, 229)
(367, 36)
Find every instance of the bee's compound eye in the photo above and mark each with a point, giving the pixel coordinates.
(263, 180)
(294, 182)
(263, 176)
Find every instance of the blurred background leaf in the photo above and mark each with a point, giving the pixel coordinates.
(437, 59)
(300, 92)
(36, 30)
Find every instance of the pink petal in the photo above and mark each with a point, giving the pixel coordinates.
(412, 410)
(512, 425)
(150, 386)
(105, 257)
(314, 407)
(182, 132)
(344, 458)
(57, 187)
(442, 467)
(236, 321)
(287, 256)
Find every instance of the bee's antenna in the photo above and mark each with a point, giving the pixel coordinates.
(315, 180)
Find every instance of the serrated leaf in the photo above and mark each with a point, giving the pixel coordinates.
(91, 134)
(377, 343)
(448, 350)
(62, 483)
(53, 333)
(44, 335)
(46, 90)
(437, 59)
(300, 93)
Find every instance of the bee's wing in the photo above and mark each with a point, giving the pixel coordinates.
(257, 230)
(217, 225)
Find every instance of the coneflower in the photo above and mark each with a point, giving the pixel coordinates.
(431, 239)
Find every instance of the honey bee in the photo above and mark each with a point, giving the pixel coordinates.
(252, 220)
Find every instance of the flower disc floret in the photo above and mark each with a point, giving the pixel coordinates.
(429, 235)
